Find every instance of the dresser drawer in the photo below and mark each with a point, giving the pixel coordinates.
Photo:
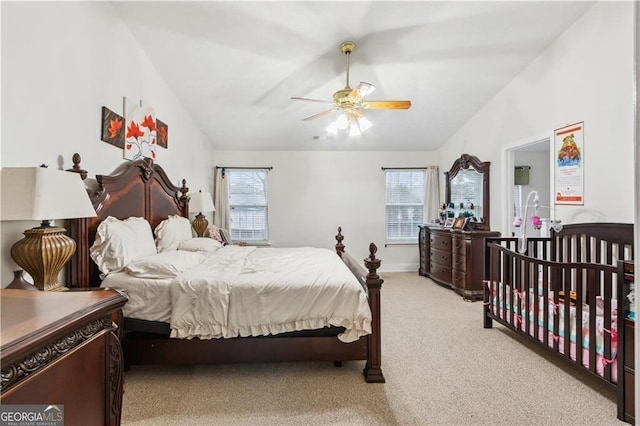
(459, 263)
(441, 241)
(440, 272)
(459, 245)
(441, 257)
(458, 279)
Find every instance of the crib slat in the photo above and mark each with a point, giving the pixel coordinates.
(588, 257)
(579, 273)
(545, 313)
(566, 286)
(607, 282)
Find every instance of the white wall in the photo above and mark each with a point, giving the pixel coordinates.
(312, 193)
(63, 61)
(586, 75)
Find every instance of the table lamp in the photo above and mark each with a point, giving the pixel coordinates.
(39, 193)
(201, 202)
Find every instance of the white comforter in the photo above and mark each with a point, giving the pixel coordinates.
(244, 291)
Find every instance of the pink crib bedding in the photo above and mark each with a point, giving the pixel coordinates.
(520, 313)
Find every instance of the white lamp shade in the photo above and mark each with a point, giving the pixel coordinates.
(40, 193)
(201, 202)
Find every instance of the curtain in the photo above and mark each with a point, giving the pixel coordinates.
(432, 193)
(221, 200)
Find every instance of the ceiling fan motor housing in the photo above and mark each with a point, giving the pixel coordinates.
(341, 99)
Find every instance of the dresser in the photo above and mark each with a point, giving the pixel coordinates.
(454, 258)
(61, 348)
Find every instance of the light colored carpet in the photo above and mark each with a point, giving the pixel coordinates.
(441, 367)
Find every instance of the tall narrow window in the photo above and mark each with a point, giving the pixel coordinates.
(405, 190)
(247, 191)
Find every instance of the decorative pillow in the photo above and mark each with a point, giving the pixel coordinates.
(200, 244)
(167, 264)
(171, 232)
(214, 232)
(119, 242)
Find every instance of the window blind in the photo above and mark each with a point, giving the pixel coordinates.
(405, 191)
(247, 191)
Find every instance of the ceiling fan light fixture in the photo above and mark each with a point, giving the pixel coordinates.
(365, 89)
(364, 124)
(354, 130)
(333, 128)
(342, 122)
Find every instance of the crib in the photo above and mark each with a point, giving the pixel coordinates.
(566, 293)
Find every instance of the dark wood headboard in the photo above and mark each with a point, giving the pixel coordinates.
(135, 189)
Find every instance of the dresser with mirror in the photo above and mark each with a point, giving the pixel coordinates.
(453, 255)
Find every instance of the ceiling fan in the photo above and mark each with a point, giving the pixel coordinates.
(351, 102)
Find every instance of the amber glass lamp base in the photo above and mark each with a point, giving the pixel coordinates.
(200, 224)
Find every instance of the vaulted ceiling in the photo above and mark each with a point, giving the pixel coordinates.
(235, 65)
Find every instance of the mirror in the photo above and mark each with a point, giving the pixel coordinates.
(467, 187)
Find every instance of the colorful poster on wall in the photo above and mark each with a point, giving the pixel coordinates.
(141, 131)
(569, 169)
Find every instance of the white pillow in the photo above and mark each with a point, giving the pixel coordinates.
(171, 232)
(118, 242)
(200, 244)
(167, 264)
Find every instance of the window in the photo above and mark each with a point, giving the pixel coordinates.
(405, 190)
(247, 191)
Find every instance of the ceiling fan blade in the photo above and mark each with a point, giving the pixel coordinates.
(387, 104)
(362, 90)
(295, 98)
(320, 114)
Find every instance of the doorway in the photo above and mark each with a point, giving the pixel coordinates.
(528, 168)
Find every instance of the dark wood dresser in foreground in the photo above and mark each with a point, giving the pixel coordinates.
(454, 258)
(62, 348)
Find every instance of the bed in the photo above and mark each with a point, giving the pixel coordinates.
(566, 293)
(142, 190)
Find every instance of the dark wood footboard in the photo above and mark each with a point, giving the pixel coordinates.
(372, 283)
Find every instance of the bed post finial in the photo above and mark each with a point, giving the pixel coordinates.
(184, 198)
(339, 245)
(373, 370)
(372, 263)
(76, 166)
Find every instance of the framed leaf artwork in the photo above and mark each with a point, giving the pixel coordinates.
(141, 130)
(112, 128)
(162, 134)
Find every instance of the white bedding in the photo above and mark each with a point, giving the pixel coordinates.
(244, 291)
(149, 299)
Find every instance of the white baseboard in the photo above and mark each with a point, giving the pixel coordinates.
(399, 267)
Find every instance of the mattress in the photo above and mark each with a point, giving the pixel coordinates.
(149, 298)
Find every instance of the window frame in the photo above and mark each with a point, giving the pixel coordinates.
(230, 171)
(413, 238)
